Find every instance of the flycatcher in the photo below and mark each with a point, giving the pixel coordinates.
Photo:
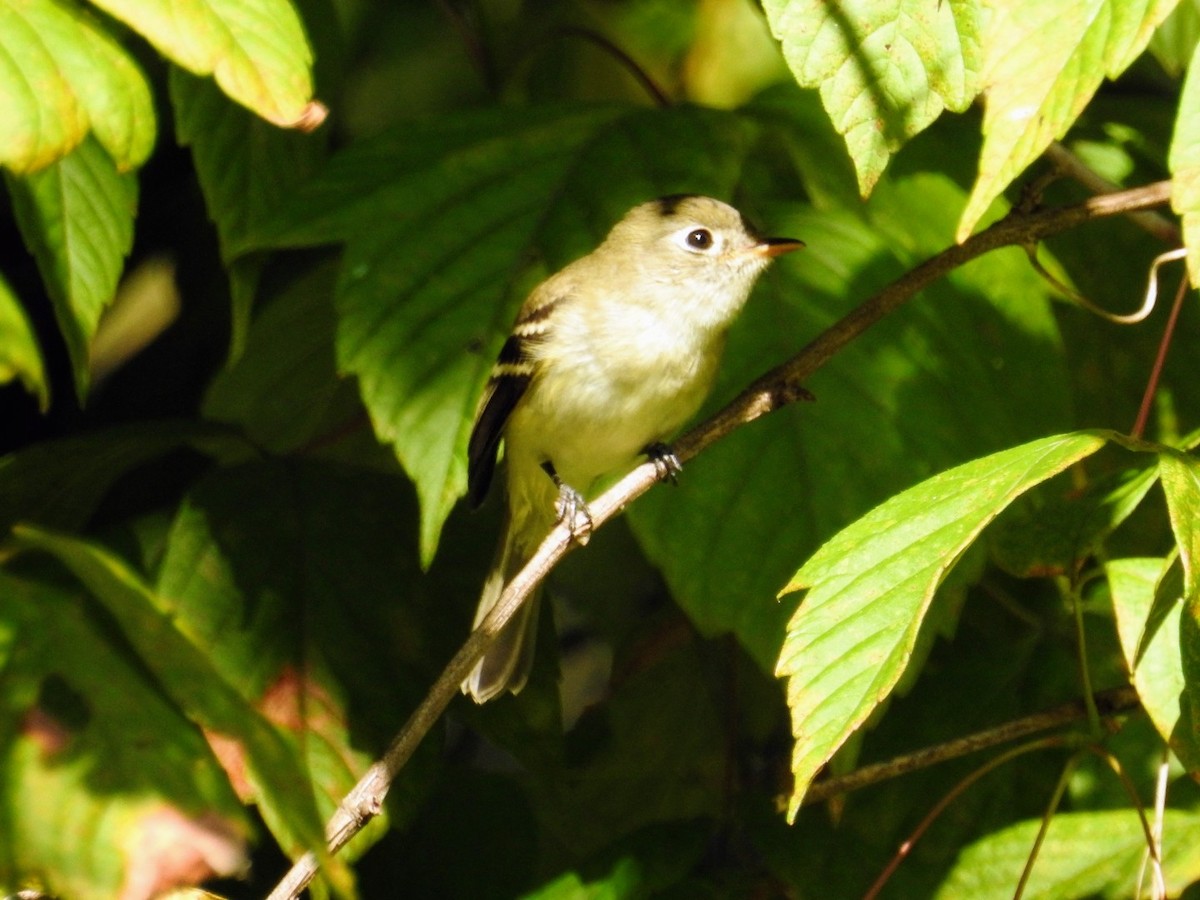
(607, 359)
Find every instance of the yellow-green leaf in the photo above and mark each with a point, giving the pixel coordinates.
(1184, 161)
(19, 354)
(61, 76)
(255, 49)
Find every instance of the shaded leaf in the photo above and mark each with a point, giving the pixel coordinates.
(60, 483)
(1084, 854)
(64, 76)
(76, 217)
(255, 49)
(20, 357)
(1043, 63)
(886, 68)
(850, 640)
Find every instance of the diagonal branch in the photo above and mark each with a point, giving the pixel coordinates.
(778, 387)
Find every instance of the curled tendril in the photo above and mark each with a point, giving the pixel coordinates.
(1132, 318)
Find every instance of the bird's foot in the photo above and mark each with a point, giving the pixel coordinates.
(666, 464)
(570, 508)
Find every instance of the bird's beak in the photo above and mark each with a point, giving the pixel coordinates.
(776, 246)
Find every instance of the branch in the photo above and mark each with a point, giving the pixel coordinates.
(773, 390)
(1109, 703)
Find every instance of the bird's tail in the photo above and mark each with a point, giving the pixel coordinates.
(507, 663)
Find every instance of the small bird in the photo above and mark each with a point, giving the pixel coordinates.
(607, 359)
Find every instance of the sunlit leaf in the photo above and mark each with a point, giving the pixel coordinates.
(1084, 854)
(20, 358)
(850, 640)
(1149, 644)
(255, 49)
(1043, 63)
(76, 216)
(1184, 162)
(62, 76)
(886, 68)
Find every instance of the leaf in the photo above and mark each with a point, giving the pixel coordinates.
(1184, 163)
(284, 386)
(255, 49)
(92, 756)
(76, 217)
(287, 574)
(246, 168)
(1084, 854)
(195, 686)
(444, 222)
(915, 394)
(1180, 475)
(1044, 62)
(871, 584)
(886, 68)
(1150, 644)
(1174, 41)
(1052, 537)
(59, 483)
(20, 357)
(62, 77)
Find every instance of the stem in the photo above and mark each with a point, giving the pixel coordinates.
(1052, 807)
(950, 797)
(1085, 674)
(1139, 426)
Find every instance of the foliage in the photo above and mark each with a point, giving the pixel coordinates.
(241, 352)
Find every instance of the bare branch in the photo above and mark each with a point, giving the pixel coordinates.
(777, 388)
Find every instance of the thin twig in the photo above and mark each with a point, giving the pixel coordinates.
(1056, 796)
(950, 796)
(1160, 359)
(777, 388)
(1110, 703)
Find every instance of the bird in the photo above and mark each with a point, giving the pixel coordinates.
(607, 359)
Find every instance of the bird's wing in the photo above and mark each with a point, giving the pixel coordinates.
(510, 378)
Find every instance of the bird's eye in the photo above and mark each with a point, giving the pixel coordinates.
(700, 239)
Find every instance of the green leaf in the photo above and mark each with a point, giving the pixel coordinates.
(886, 68)
(60, 483)
(1084, 854)
(61, 77)
(871, 584)
(1048, 538)
(1149, 643)
(1044, 62)
(1175, 39)
(245, 166)
(1180, 474)
(914, 395)
(189, 678)
(284, 386)
(94, 762)
(76, 217)
(1184, 163)
(20, 357)
(255, 49)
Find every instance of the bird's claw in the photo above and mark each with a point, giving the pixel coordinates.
(666, 464)
(572, 511)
